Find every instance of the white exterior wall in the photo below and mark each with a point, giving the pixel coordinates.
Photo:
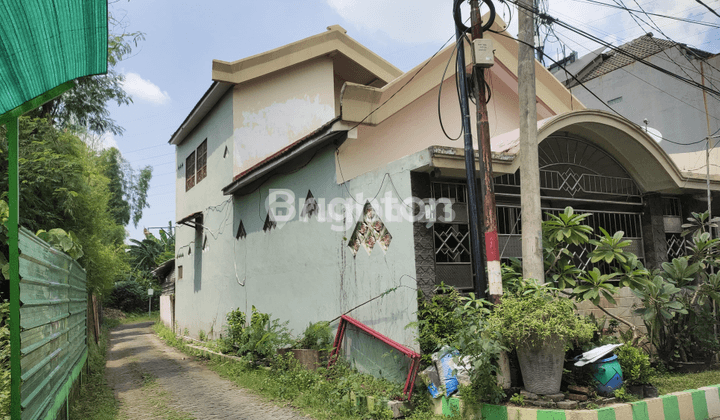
(276, 110)
(671, 106)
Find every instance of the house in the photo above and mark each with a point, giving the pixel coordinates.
(165, 273)
(306, 177)
(680, 112)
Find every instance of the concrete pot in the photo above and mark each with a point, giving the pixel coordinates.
(310, 359)
(542, 366)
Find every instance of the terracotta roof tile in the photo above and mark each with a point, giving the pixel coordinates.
(642, 47)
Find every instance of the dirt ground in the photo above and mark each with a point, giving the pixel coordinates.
(154, 381)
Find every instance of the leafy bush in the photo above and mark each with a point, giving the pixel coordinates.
(128, 296)
(537, 314)
(435, 327)
(317, 336)
(635, 365)
(459, 322)
(259, 340)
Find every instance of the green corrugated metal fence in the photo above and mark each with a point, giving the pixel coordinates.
(53, 344)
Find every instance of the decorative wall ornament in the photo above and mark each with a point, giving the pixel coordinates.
(369, 231)
(269, 223)
(310, 207)
(240, 231)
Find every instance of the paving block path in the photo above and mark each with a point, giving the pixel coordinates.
(155, 381)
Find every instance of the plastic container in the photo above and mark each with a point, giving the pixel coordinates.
(608, 374)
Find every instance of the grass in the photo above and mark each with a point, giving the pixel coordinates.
(96, 401)
(134, 318)
(321, 394)
(158, 399)
(674, 382)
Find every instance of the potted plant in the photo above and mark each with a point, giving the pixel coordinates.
(540, 325)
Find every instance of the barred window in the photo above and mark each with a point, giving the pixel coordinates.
(202, 161)
(190, 171)
(197, 161)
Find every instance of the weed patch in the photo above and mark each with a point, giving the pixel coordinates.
(96, 401)
(321, 394)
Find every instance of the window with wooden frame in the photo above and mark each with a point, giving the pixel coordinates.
(202, 161)
(190, 171)
(196, 166)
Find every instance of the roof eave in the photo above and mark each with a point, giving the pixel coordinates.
(204, 105)
(333, 130)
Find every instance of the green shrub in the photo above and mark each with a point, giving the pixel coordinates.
(635, 365)
(435, 327)
(128, 296)
(317, 336)
(259, 340)
(537, 314)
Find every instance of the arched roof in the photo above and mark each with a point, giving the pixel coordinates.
(644, 160)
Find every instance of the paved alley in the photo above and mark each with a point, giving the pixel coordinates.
(155, 381)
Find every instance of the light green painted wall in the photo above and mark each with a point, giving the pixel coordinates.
(303, 271)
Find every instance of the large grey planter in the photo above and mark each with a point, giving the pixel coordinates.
(542, 366)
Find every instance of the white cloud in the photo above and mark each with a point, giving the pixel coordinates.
(107, 141)
(139, 88)
(407, 21)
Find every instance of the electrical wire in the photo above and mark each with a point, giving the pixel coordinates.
(692, 21)
(597, 97)
(618, 50)
(661, 90)
(709, 8)
(442, 80)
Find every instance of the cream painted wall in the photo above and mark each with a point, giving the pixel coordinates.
(416, 127)
(274, 111)
(695, 161)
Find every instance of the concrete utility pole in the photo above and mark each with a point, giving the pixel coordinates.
(529, 163)
(492, 248)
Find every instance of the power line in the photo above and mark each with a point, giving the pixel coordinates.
(618, 50)
(663, 91)
(709, 8)
(692, 21)
(595, 95)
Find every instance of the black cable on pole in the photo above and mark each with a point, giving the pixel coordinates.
(458, 19)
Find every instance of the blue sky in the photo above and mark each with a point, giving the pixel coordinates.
(169, 71)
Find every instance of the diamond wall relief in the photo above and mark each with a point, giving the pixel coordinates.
(369, 231)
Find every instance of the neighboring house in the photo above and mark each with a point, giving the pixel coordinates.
(165, 273)
(682, 113)
(327, 125)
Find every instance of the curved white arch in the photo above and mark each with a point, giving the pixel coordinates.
(644, 160)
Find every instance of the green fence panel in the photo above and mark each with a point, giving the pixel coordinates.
(53, 326)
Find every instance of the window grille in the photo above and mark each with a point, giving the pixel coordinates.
(202, 161)
(190, 171)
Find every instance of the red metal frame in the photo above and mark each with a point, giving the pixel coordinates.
(414, 357)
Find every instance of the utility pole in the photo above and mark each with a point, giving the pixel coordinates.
(492, 248)
(475, 246)
(529, 162)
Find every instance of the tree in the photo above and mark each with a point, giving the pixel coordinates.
(86, 105)
(128, 188)
(63, 185)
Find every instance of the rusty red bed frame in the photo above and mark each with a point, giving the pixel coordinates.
(414, 357)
